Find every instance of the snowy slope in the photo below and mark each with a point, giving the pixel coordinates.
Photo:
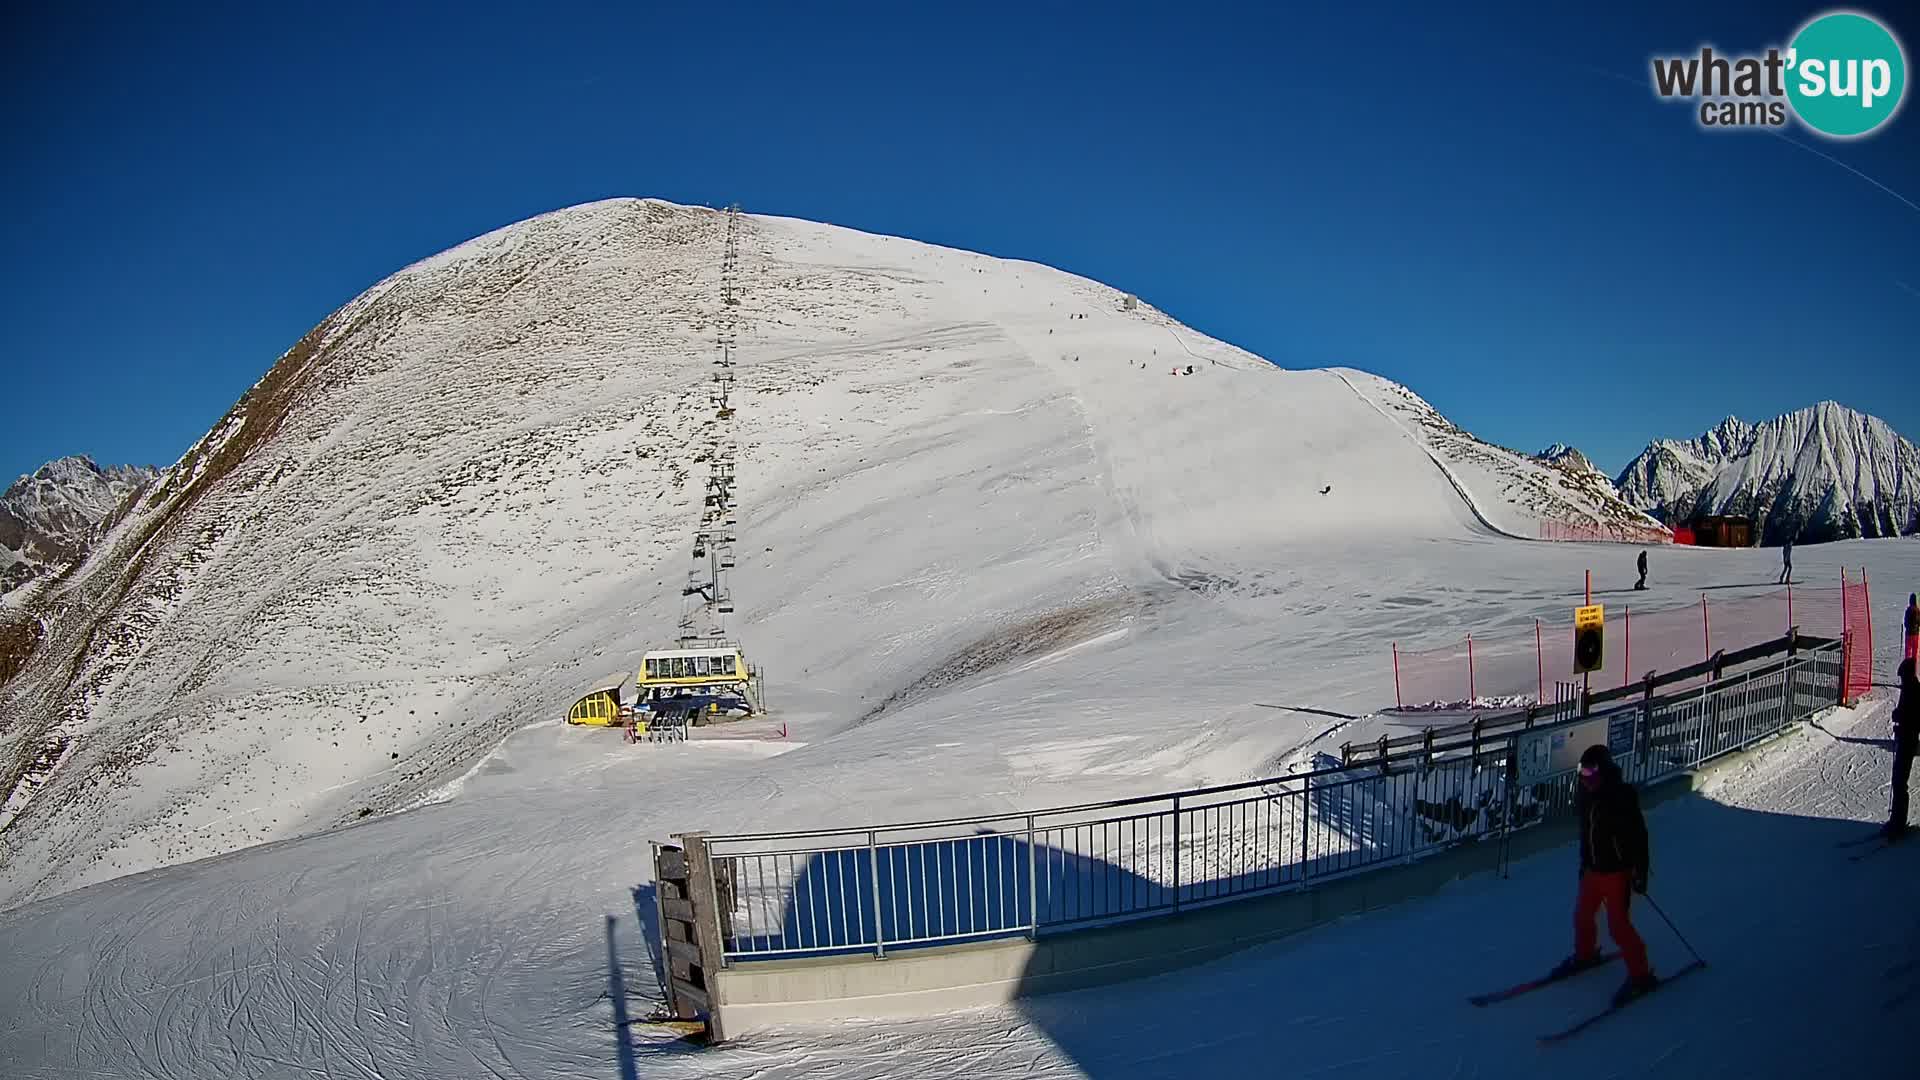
(480, 937)
(1818, 474)
(469, 494)
(48, 517)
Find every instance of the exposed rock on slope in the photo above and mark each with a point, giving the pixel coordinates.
(49, 518)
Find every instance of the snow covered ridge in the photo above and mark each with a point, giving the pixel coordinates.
(1519, 493)
(50, 517)
(468, 494)
(1818, 474)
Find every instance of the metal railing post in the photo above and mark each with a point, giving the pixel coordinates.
(1646, 720)
(1746, 709)
(1033, 885)
(1306, 817)
(1506, 823)
(879, 924)
(1176, 853)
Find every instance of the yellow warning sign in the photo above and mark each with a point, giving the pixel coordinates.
(1589, 637)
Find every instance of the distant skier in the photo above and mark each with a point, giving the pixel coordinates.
(1906, 739)
(1912, 628)
(1786, 563)
(1613, 859)
(1642, 583)
(1326, 489)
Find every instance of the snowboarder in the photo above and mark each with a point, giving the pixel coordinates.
(1786, 563)
(1906, 738)
(1642, 583)
(1613, 859)
(1912, 627)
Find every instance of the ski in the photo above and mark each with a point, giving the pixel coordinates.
(1583, 1025)
(1534, 984)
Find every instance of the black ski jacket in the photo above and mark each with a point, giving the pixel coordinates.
(1613, 834)
(1906, 713)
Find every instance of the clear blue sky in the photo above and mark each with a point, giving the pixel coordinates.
(1487, 205)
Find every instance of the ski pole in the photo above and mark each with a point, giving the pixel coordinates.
(1675, 929)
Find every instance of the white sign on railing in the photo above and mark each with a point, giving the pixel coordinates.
(1542, 754)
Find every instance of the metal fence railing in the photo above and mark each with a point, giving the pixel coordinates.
(902, 886)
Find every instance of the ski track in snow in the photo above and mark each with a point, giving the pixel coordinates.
(1089, 572)
(1452, 479)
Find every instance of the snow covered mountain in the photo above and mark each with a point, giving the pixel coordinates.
(48, 519)
(1670, 470)
(1818, 474)
(1567, 458)
(469, 494)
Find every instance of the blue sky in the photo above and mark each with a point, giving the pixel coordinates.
(1487, 204)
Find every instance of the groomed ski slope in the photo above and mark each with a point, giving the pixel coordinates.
(470, 938)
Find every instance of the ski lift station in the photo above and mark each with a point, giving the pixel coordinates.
(706, 677)
(715, 675)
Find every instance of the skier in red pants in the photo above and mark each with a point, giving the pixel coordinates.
(1613, 860)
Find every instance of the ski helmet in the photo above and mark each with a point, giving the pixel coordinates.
(1593, 761)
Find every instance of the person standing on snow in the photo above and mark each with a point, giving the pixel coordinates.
(1912, 627)
(1642, 583)
(1786, 563)
(1906, 739)
(1613, 859)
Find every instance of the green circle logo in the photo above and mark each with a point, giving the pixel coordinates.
(1846, 74)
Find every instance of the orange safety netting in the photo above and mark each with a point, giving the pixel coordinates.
(1607, 533)
(1857, 614)
(1487, 671)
